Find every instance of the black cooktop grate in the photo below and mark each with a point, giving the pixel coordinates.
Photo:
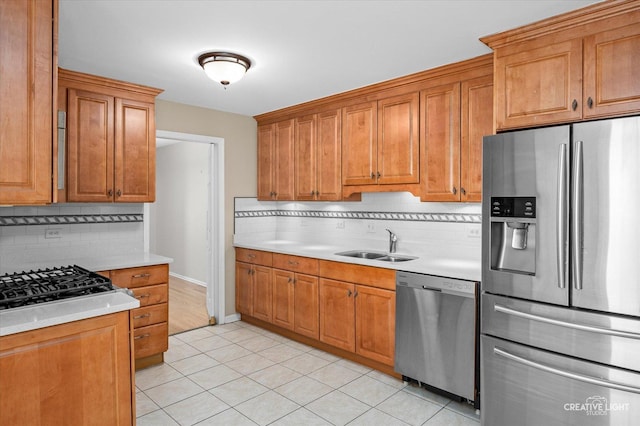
(46, 285)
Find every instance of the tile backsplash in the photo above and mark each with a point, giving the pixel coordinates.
(73, 231)
(420, 226)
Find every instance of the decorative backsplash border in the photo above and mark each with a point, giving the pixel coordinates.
(73, 219)
(416, 217)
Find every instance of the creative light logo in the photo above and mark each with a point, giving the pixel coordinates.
(596, 406)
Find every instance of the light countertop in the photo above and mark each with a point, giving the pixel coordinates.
(42, 315)
(451, 263)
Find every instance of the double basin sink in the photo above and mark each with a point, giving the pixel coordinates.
(372, 255)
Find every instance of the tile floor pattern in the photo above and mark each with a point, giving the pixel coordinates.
(239, 374)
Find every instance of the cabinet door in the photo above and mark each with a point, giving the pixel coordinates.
(612, 61)
(283, 298)
(476, 121)
(398, 140)
(337, 314)
(135, 151)
(306, 306)
(539, 86)
(90, 144)
(262, 293)
(359, 144)
(266, 142)
(244, 288)
(440, 123)
(375, 323)
(78, 373)
(329, 170)
(305, 157)
(284, 159)
(26, 101)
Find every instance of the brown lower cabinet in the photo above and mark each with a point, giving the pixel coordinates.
(77, 373)
(345, 308)
(150, 321)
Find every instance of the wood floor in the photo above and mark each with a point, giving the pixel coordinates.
(187, 306)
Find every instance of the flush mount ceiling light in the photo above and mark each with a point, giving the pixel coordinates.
(224, 67)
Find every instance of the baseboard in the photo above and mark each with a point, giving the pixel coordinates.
(189, 279)
(231, 318)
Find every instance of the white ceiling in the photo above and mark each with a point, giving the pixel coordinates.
(301, 50)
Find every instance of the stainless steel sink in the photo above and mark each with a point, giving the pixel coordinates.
(362, 254)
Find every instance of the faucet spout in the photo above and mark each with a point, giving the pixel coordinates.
(393, 240)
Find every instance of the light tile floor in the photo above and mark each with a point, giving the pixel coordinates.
(239, 374)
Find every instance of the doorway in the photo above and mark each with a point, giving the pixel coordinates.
(193, 220)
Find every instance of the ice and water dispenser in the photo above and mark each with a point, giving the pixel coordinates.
(513, 234)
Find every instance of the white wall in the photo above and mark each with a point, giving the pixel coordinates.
(179, 215)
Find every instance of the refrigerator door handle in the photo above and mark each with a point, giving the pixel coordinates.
(576, 219)
(561, 323)
(561, 217)
(567, 374)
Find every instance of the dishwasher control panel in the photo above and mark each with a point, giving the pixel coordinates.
(435, 283)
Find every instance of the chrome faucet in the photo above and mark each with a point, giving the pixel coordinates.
(393, 240)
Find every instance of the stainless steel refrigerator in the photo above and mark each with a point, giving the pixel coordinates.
(560, 302)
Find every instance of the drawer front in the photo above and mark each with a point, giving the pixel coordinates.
(139, 277)
(300, 264)
(149, 315)
(254, 256)
(360, 274)
(151, 295)
(151, 340)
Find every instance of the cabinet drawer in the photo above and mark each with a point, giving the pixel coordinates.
(287, 262)
(138, 277)
(254, 256)
(150, 340)
(360, 274)
(148, 315)
(151, 295)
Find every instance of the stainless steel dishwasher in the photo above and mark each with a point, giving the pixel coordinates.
(436, 332)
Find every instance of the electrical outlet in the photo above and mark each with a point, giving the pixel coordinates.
(371, 228)
(474, 231)
(53, 233)
(340, 224)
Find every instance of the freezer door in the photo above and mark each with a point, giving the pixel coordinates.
(524, 386)
(529, 163)
(605, 204)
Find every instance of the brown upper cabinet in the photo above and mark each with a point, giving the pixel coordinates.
(27, 92)
(380, 142)
(454, 118)
(111, 141)
(317, 156)
(576, 66)
(276, 161)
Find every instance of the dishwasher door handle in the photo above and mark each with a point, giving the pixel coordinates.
(425, 287)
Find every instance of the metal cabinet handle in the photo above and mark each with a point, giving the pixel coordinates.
(373, 176)
(455, 190)
(141, 275)
(142, 296)
(463, 191)
(119, 193)
(567, 374)
(110, 192)
(142, 316)
(590, 102)
(355, 294)
(348, 293)
(290, 280)
(378, 175)
(142, 336)
(251, 256)
(574, 105)
(293, 262)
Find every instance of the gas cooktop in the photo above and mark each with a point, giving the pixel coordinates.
(51, 284)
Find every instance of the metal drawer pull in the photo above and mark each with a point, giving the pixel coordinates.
(141, 276)
(142, 336)
(291, 262)
(567, 374)
(583, 327)
(142, 316)
(251, 256)
(143, 296)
